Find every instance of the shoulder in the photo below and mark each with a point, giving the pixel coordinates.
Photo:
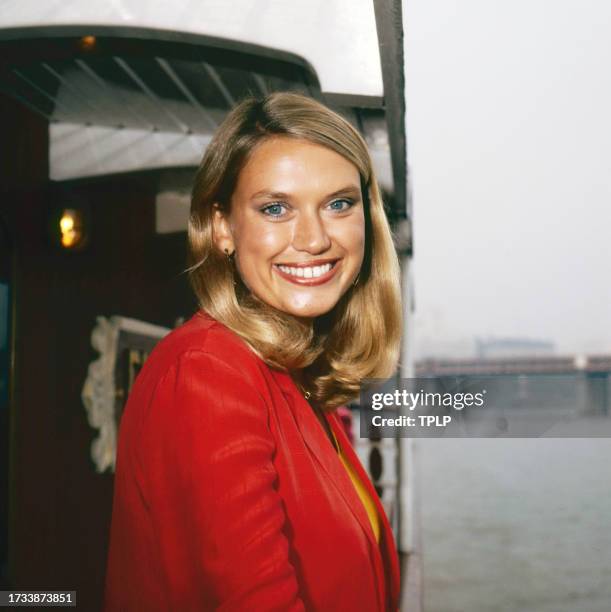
(202, 339)
(200, 370)
(200, 388)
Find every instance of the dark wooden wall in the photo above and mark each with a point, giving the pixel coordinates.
(59, 506)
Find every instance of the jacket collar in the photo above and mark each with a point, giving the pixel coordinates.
(328, 459)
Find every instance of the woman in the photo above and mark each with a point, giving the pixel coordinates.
(236, 486)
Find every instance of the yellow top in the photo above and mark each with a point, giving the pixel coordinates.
(363, 494)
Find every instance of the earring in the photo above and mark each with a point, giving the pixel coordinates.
(356, 280)
(230, 262)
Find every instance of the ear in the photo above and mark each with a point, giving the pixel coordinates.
(221, 230)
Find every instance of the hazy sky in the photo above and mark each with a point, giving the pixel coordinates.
(509, 144)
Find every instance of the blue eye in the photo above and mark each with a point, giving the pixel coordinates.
(273, 210)
(340, 205)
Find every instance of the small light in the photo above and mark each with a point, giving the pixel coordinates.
(87, 43)
(67, 221)
(71, 227)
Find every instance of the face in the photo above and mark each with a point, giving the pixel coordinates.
(297, 226)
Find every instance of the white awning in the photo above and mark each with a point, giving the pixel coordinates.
(337, 38)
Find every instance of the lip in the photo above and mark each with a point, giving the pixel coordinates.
(309, 282)
(308, 264)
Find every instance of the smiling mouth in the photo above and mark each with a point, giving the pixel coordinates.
(311, 273)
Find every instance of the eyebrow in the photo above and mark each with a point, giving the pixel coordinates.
(349, 190)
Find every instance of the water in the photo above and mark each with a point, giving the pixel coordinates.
(516, 524)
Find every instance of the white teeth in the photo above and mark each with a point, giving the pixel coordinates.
(309, 272)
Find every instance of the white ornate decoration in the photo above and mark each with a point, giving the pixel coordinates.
(99, 392)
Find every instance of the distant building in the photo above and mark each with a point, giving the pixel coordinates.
(513, 347)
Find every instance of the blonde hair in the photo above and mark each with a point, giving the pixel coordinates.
(360, 337)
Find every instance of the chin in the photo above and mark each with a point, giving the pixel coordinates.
(311, 310)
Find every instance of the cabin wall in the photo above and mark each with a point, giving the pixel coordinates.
(60, 507)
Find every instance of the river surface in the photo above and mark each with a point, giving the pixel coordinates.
(520, 525)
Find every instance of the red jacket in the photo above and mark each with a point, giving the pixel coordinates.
(230, 496)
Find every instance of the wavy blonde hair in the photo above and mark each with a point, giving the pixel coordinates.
(360, 337)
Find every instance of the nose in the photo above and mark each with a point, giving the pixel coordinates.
(310, 234)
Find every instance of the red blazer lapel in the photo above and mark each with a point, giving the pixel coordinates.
(387, 542)
(326, 456)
